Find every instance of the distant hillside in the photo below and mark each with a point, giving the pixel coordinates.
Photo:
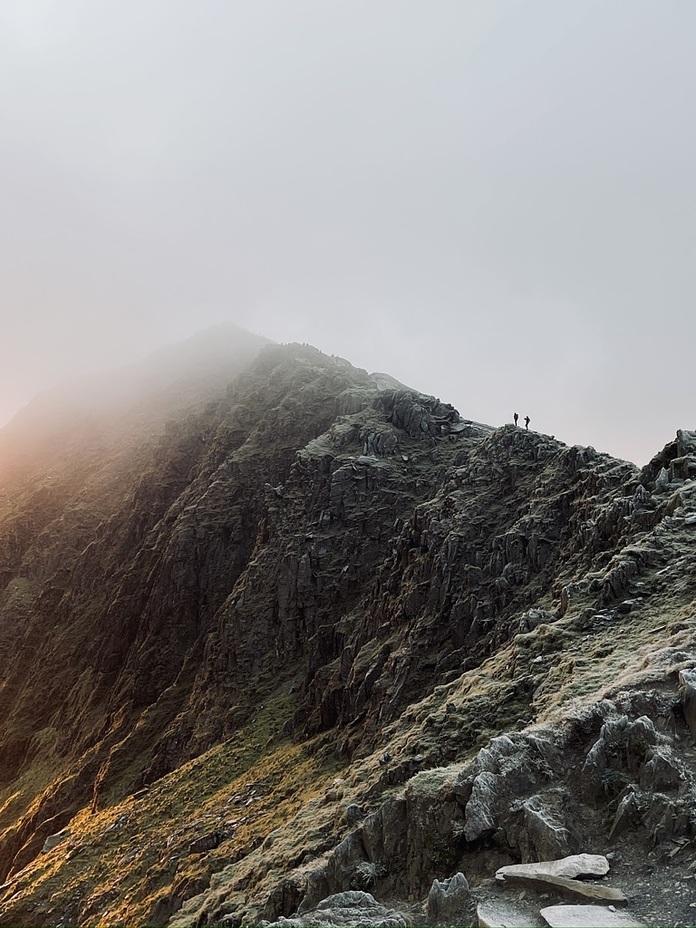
(313, 632)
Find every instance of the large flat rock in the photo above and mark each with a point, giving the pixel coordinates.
(577, 865)
(570, 889)
(499, 913)
(587, 916)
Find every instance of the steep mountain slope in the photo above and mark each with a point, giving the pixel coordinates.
(259, 657)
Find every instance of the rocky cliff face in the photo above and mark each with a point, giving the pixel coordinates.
(323, 634)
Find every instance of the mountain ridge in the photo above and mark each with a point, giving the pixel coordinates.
(324, 565)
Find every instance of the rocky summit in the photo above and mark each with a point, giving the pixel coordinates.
(294, 644)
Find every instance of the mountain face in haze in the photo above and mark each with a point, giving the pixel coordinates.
(100, 415)
(313, 633)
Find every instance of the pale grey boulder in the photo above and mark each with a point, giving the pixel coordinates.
(573, 867)
(54, 840)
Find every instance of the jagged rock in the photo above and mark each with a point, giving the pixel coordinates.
(384, 833)
(545, 834)
(532, 618)
(660, 772)
(686, 442)
(627, 814)
(587, 916)
(417, 414)
(480, 816)
(687, 686)
(430, 845)
(448, 900)
(380, 444)
(338, 873)
(682, 468)
(622, 747)
(666, 817)
(500, 913)
(662, 481)
(353, 909)
(577, 865)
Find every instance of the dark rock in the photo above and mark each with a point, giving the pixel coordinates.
(205, 843)
(353, 813)
(687, 686)
(481, 818)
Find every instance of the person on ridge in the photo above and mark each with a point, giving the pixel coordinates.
(526, 422)
(515, 417)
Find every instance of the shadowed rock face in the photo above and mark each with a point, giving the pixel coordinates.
(406, 583)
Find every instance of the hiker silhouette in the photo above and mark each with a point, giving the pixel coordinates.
(526, 422)
(515, 417)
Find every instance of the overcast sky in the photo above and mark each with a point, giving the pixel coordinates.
(492, 201)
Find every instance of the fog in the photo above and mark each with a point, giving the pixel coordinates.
(492, 201)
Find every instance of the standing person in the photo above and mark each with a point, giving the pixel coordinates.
(526, 422)
(515, 417)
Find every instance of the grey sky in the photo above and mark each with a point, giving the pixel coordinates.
(493, 201)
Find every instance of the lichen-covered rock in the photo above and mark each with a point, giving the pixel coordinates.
(353, 909)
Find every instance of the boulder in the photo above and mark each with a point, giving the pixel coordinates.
(52, 840)
(577, 865)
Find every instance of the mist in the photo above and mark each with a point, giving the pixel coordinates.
(491, 201)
